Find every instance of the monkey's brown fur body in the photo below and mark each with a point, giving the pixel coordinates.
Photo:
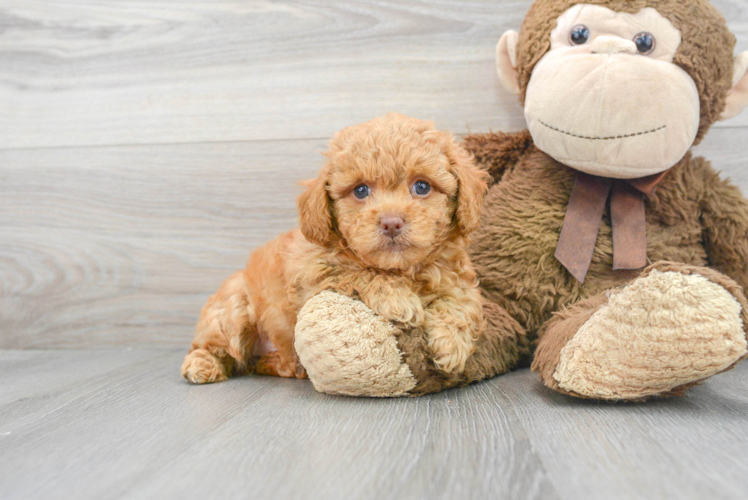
(694, 219)
(696, 238)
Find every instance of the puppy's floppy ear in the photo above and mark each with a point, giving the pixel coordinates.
(315, 219)
(472, 183)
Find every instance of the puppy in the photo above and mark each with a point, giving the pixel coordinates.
(385, 222)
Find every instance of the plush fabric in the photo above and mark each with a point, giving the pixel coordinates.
(501, 347)
(705, 53)
(348, 350)
(596, 106)
(642, 341)
(691, 210)
(737, 97)
(694, 218)
(633, 115)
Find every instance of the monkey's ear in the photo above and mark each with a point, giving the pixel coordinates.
(315, 220)
(737, 97)
(472, 183)
(506, 61)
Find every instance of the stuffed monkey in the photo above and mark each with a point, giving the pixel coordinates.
(622, 255)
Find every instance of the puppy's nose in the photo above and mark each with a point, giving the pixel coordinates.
(391, 226)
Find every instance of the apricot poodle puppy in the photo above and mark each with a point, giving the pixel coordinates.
(385, 222)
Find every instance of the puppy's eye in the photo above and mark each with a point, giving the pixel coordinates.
(361, 191)
(645, 43)
(579, 34)
(421, 188)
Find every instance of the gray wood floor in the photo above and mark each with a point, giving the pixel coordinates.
(147, 146)
(123, 424)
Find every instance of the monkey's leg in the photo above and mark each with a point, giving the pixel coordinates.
(499, 348)
(670, 328)
(225, 336)
(349, 349)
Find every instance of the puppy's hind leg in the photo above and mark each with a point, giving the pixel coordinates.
(279, 323)
(226, 334)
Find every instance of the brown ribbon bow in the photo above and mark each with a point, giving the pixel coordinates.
(585, 211)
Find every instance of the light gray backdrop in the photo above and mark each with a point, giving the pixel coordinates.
(146, 147)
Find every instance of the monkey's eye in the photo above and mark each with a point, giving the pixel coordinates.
(361, 191)
(579, 34)
(645, 43)
(421, 188)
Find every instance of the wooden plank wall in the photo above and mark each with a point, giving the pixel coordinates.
(146, 146)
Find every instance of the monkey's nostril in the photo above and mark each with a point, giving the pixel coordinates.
(391, 226)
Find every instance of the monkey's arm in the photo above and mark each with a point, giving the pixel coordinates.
(497, 152)
(725, 221)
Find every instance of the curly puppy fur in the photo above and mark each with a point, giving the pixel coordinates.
(420, 277)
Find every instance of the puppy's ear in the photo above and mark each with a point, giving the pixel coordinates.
(315, 219)
(472, 183)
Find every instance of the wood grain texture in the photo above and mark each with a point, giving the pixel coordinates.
(134, 429)
(123, 245)
(147, 147)
(131, 241)
(73, 373)
(91, 72)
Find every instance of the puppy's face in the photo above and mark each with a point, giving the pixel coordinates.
(393, 191)
(393, 211)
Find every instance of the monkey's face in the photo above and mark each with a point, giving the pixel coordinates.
(607, 99)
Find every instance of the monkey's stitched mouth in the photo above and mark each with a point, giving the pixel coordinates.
(601, 138)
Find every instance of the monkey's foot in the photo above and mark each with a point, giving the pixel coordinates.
(347, 349)
(669, 329)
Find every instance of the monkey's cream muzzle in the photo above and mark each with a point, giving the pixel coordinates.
(602, 108)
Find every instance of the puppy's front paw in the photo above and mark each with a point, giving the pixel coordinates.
(402, 307)
(451, 347)
(201, 367)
